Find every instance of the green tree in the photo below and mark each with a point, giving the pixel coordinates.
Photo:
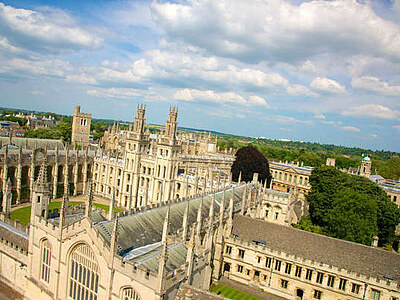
(353, 217)
(351, 207)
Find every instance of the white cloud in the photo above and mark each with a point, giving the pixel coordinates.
(351, 128)
(279, 30)
(333, 123)
(126, 93)
(371, 111)
(193, 95)
(319, 116)
(301, 90)
(373, 135)
(40, 93)
(286, 120)
(397, 127)
(81, 78)
(375, 85)
(396, 5)
(51, 67)
(327, 86)
(5, 44)
(47, 29)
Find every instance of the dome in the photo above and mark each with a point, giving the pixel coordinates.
(366, 158)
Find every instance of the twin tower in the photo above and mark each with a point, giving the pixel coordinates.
(81, 125)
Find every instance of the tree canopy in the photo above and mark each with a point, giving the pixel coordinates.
(62, 131)
(248, 161)
(350, 207)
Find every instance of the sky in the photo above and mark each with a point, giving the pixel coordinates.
(318, 71)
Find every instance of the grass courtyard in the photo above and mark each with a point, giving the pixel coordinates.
(231, 293)
(23, 214)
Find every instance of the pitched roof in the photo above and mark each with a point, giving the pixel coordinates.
(145, 228)
(339, 253)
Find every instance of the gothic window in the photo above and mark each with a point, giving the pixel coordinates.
(45, 261)
(331, 281)
(298, 271)
(375, 295)
(342, 284)
(83, 274)
(129, 294)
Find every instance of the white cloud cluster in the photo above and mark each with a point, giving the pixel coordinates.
(49, 30)
(126, 93)
(25, 67)
(375, 85)
(219, 98)
(372, 111)
(327, 86)
(280, 30)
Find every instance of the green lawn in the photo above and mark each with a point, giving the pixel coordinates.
(231, 293)
(24, 214)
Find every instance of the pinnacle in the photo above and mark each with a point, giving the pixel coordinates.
(42, 177)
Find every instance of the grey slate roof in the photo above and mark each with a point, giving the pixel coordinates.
(343, 254)
(145, 227)
(32, 142)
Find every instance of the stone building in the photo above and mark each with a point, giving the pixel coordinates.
(80, 127)
(146, 253)
(142, 168)
(296, 264)
(21, 166)
(391, 187)
(292, 176)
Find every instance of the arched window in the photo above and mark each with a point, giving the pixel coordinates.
(45, 261)
(129, 294)
(83, 273)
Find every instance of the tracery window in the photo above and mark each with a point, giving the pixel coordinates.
(45, 261)
(83, 274)
(129, 294)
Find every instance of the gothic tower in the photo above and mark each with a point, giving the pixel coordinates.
(136, 146)
(80, 127)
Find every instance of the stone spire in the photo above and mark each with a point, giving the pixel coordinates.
(64, 207)
(185, 221)
(199, 220)
(89, 201)
(111, 206)
(190, 256)
(42, 176)
(196, 181)
(231, 211)
(240, 177)
(211, 217)
(164, 253)
(114, 238)
(244, 201)
(222, 208)
(8, 198)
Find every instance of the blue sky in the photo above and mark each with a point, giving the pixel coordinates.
(323, 71)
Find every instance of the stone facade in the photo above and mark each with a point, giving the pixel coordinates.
(287, 177)
(143, 169)
(21, 167)
(295, 264)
